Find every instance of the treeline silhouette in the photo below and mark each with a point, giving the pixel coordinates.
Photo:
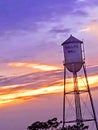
(54, 124)
(76, 127)
(50, 124)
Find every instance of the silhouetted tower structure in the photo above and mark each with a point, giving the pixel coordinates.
(74, 61)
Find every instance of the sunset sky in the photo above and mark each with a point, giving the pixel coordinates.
(31, 56)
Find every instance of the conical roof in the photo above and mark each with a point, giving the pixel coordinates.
(72, 39)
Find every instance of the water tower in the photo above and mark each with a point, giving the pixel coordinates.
(74, 62)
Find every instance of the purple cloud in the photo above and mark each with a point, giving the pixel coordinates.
(80, 13)
(22, 14)
(62, 30)
(31, 79)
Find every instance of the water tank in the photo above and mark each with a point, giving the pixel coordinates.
(73, 54)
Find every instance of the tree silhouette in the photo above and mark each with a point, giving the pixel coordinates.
(51, 123)
(35, 126)
(76, 127)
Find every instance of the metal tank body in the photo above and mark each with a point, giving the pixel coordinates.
(72, 54)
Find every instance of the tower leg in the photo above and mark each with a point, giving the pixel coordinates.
(91, 100)
(64, 97)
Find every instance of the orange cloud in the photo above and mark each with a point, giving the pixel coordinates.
(8, 94)
(5, 98)
(35, 66)
(91, 28)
